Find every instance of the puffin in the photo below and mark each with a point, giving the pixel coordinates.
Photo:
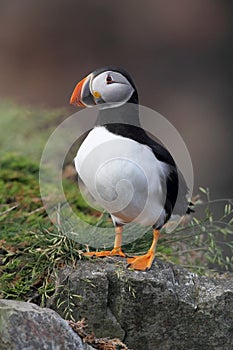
(119, 161)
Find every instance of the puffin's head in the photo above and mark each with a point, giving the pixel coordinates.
(107, 87)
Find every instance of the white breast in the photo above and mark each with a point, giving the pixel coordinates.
(123, 176)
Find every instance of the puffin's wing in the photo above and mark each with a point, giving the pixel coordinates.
(176, 202)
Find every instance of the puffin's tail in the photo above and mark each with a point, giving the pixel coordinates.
(190, 208)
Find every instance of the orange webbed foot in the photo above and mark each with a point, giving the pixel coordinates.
(142, 262)
(105, 253)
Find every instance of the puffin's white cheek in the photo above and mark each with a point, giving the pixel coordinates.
(117, 93)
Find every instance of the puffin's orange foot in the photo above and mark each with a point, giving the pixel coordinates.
(142, 262)
(114, 252)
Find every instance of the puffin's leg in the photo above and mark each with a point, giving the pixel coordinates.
(144, 262)
(117, 251)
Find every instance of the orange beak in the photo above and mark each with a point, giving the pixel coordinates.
(76, 97)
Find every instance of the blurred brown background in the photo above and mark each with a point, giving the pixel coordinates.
(179, 53)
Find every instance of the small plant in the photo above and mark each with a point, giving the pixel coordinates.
(67, 301)
(28, 272)
(206, 243)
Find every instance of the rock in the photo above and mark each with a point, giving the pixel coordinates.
(26, 326)
(89, 286)
(167, 307)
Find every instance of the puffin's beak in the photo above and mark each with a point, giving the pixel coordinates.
(76, 95)
(81, 95)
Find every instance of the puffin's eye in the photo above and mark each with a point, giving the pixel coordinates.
(109, 79)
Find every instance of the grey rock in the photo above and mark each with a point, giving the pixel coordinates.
(165, 308)
(26, 326)
(89, 285)
(87, 347)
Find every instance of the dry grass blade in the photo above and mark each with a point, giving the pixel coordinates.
(8, 210)
(36, 211)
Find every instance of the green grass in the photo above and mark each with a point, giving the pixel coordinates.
(25, 130)
(32, 249)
